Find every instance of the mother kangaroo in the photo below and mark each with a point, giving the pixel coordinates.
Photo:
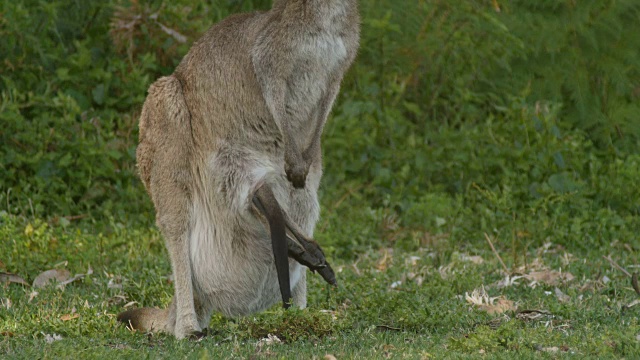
(230, 154)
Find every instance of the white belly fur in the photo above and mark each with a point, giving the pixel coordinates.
(232, 281)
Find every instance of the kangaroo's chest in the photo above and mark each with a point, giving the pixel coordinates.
(318, 61)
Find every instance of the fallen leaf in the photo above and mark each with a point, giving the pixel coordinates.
(535, 265)
(633, 303)
(492, 305)
(114, 283)
(474, 259)
(446, 271)
(270, 339)
(413, 260)
(508, 281)
(62, 284)
(333, 314)
(68, 317)
(549, 277)
(51, 338)
(533, 315)
(384, 262)
(58, 275)
(562, 297)
(12, 278)
(500, 306)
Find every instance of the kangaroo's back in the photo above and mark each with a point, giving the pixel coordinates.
(220, 87)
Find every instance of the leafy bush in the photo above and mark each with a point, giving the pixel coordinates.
(453, 109)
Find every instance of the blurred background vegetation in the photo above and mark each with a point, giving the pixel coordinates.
(517, 118)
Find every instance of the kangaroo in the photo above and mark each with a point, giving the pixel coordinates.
(230, 154)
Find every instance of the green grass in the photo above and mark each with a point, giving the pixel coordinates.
(457, 122)
(423, 315)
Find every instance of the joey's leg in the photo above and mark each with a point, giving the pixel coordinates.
(308, 253)
(267, 205)
(304, 250)
(300, 291)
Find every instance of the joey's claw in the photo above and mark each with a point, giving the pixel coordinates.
(308, 253)
(297, 172)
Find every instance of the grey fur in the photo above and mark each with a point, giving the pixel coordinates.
(244, 109)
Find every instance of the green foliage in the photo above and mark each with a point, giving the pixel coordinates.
(461, 120)
(457, 119)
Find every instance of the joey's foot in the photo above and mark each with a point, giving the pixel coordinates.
(308, 253)
(297, 172)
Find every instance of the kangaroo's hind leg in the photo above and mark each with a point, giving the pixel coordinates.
(164, 158)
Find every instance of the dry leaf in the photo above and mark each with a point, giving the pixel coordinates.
(562, 297)
(549, 277)
(384, 262)
(633, 303)
(413, 260)
(492, 305)
(68, 317)
(114, 283)
(51, 338)
(130, 303)
(69, 281)
(333, 314)
(446, 271)
(508, 281)
(474, 259)
(533, 315)
(500, 306)
(535, 265)
(12, 278)
(270, 339)
(59, 275)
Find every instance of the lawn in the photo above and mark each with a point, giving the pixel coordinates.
(480, 196)
(450, 298)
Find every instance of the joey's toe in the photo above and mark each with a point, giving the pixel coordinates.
(297, 176)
